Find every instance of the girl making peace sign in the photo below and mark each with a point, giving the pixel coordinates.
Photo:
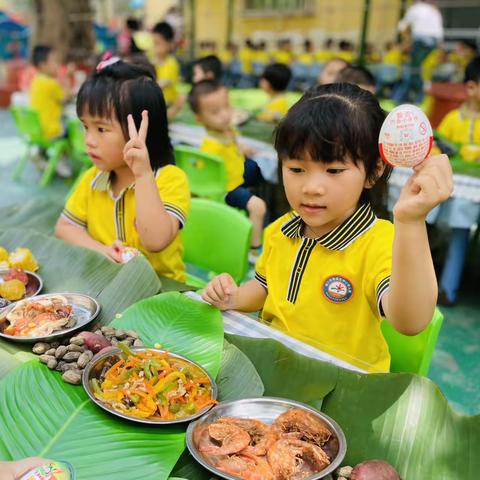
(134, 195)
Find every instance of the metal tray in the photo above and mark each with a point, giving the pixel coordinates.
(266, 409)
(33, 287)
(85, 310)
(95, 366)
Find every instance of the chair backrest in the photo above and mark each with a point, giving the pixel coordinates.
(216, 237)
(412, 354)
(28, 123)
(76, 135)
(206, 173)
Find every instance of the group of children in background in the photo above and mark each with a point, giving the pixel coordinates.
(329, 270)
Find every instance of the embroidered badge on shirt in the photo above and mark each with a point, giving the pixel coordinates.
(337, 289)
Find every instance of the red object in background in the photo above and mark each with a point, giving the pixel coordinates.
(446, 97)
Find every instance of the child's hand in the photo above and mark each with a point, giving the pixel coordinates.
(222, 292)
(135, 152)
(14, 470)
(114, 252)
(430, 184)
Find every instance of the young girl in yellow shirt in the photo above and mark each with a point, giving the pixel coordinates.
(134, 195)
(330, 269)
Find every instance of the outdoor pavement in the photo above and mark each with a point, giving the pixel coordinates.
(456, 362)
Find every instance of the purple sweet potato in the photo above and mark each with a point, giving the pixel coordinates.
(94, 342)
(374, 470)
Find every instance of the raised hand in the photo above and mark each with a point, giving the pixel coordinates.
(430, 184)
(135, 152)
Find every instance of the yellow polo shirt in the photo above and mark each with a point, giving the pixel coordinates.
(274, 110)
(226, 148)
(106, 218)
(327, 291)
(458, 127)
(46, 97)
(169, 71)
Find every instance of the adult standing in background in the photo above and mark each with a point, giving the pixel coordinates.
(425, 23)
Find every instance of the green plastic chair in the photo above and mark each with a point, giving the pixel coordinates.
(216, 238)
(76, 138)
(28, 125)
(206, 173)
(412, 354)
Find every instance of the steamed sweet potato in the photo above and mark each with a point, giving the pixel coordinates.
(94, 342)
(374, 470)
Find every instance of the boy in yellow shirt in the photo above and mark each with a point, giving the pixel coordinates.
(330, 270)
(167, 67)
(47, 95)
(274, 81)
(209, 101)
(461, 126)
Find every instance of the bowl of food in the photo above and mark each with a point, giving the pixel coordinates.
(149, 385)
(267, 438)
(47, 317)
(17, 284)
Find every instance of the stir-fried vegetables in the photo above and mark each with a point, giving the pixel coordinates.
(153, 385)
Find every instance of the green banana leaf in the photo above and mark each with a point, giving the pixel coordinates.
(67, 268)
(401, 418)
(169, 319)
(41, 415)
(99, 445)
(39, 213)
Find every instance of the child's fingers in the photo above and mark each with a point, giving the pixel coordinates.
(227, 283)
(132, 130)
(218, 290)
(210, 296)
(143, 130)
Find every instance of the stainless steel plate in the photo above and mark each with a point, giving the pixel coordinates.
(85, 310)
(267, 409)
(95, 367)
(33, 287)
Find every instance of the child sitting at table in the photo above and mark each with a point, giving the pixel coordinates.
(358, 76)
(207, 68)
(167, 67)
(330, 270)
(47, 98)
(461, 126)
(134, 195)
(274, 81)
(210, 102)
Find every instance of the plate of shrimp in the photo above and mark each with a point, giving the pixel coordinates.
(267, 438)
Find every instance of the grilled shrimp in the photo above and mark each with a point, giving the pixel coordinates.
(261, 435)
(294, 459)
(224, 439)
(246, 467)
(301, 425)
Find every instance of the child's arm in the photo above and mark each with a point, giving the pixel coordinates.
(155, 226)
(77, 235)
(410, 301)
(223, 293)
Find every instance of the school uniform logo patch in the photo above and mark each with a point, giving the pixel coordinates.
(337, 289)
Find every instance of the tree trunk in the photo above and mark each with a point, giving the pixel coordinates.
(66, 25)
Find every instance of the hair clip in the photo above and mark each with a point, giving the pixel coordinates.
(107, 62)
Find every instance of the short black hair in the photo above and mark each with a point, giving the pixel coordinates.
(165, 30)
(357, 75)
(40, 54)
(121, 89)
(210, 64)
(199, 89)
(467, 42)
(472, 71)
(332, 121)
(133, 24)
(278, 76)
